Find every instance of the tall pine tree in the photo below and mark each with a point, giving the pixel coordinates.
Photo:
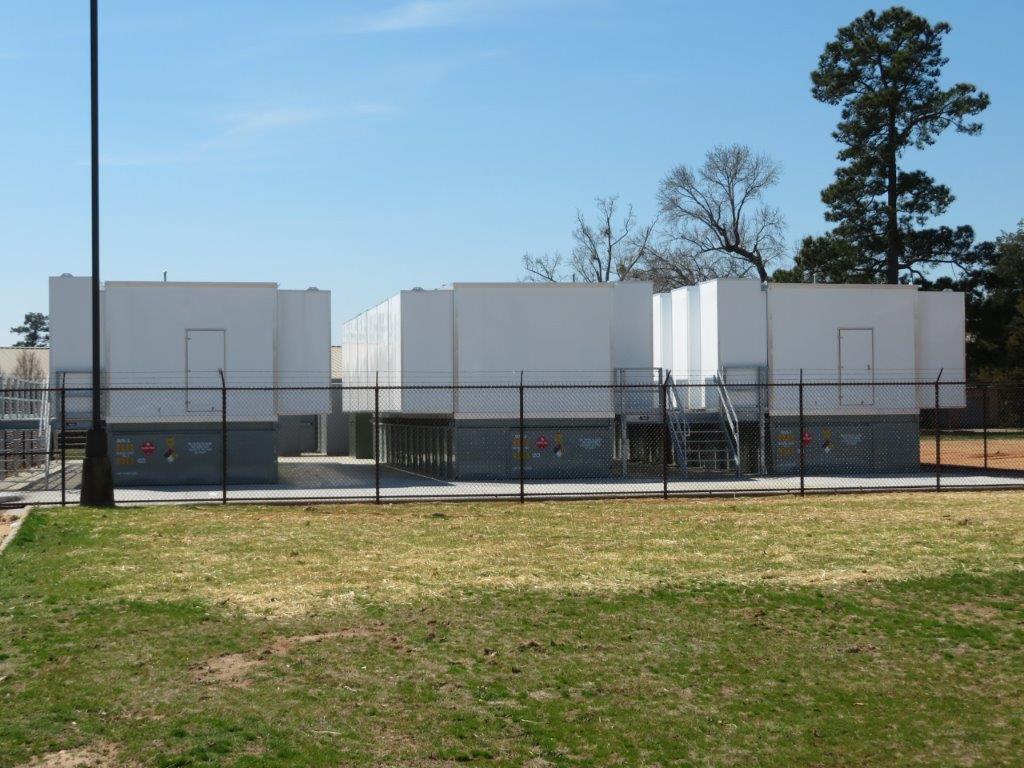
(884, 69)
(35, 331)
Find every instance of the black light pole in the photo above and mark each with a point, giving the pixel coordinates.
(97, 478)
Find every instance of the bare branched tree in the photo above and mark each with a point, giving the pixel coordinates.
(607, 250)
(614, 247)
(719, 208)
(670, 266)
(542, 269)
(28, 367)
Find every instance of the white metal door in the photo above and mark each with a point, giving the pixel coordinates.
(204, 358)
(856, 366)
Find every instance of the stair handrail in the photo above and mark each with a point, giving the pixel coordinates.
(728, 412)
(678, 423)
(45, 429)
(673, 388)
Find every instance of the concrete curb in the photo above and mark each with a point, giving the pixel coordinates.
(21, 515)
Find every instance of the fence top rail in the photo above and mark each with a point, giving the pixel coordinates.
(650, 387)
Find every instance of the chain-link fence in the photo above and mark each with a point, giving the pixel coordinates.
(385, 443)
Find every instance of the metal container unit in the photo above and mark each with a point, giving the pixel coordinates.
(181, 337)
(450, 361)
(858, 338)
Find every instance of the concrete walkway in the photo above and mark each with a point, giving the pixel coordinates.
(318, 478)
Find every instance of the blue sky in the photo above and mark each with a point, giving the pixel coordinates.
(365, 147)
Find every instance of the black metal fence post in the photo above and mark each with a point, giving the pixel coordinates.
(938, 437)
(63, 450)
(800, 437)
(223, 439)
(522, 441)
(666, 441)
(376, 439)
(984, 423)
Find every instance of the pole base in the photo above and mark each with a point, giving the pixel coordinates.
(97, 475)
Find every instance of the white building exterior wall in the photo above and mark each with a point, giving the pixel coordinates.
(70, 313)
(678, 360)
(708, 360)
(303, 350)
(742, 323)
(734, 326)
(550, 333)
(143, 344)
(144, 333)
(71, 339)
(476, 334)
(691, 358)
(375, 338)
(661, 332)
(632, 336)
(426, 348)
(805, 322)
(941, 346)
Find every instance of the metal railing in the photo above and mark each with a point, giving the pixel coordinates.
(24, 426)
(678, 425)
(21, 399)
(729, 420)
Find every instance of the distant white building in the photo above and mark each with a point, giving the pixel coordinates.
(495, 333)
(165, 347)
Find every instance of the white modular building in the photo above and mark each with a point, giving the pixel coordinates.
(493, 333)
(874, 333)
(858, 348)
(166, 349)
(450, 359)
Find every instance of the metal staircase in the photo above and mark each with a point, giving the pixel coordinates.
(704, 440)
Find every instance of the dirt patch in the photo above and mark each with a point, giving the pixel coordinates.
(100, 755)
(229, 669)
(234, 669)
(1002, 452)
(974, 612)
(7, 521)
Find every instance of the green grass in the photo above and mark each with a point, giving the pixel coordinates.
(845, 631)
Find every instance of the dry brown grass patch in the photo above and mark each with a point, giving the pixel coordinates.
(102, 754)
(292, 562)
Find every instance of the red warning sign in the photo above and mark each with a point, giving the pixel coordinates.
(542, 443)
(148, 448)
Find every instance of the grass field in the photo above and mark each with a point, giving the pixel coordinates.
(840, 631)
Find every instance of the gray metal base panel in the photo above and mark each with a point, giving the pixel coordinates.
(840, 444)
(190, 453)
